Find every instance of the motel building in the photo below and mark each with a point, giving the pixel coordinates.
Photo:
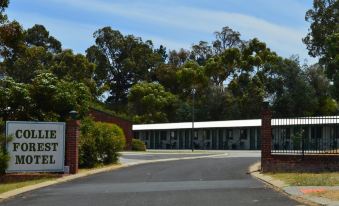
(318, 133)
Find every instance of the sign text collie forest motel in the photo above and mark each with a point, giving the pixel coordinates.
(35, 146)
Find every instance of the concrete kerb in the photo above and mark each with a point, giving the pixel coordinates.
(290, 191)
(155, 152)
(19, 191)
(255, 171)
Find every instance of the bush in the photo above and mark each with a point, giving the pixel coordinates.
(138, 145)
(4, 157)
(99, 143)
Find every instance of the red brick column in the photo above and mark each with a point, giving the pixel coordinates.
(266, 136)
(72, 140)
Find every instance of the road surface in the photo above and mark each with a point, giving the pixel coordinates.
(212, 181)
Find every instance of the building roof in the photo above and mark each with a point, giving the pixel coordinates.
(188, 125)
(238, 123)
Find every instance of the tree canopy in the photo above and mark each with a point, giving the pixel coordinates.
(232, 76)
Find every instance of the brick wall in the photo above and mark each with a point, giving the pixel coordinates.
(72, 140)
(290, 163)
(126, 126)
(299, 163)
(266, 134)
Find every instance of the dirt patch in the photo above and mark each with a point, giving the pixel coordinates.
(329, 194)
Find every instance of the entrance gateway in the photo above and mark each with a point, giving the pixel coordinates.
(35, 146)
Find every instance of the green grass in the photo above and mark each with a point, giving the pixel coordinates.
(308, 179)
(5, 187)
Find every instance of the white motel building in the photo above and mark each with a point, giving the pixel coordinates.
(240, 134)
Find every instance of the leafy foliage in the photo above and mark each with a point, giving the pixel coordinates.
(150, 102)
(99, 143)
(121, 62)
(324, 18)
(4, 157)
(47, 98)
(55, 97)
(138, 145)
(39, 37)
(130, 77)
(15, 100)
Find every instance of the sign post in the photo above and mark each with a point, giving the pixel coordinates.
(35, 146)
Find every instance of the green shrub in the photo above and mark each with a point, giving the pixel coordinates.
(138, 145)
(99, 143)
(4, 157)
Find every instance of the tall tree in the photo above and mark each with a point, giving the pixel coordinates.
(225, 39)
(324, 19)
(15, 100)
(75, 67)
(121, 62)
(166, 75)
(191, 76)
(11, 40)
(323, 38)
(321, 85)
(201, 52)
(27, 64)
(178, 58)
(220, 67)
(150, 103)
(3, 6)
(39, 36)
(331, 56)
(290, 91)
(54, 98)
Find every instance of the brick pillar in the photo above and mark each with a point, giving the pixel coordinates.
(266, 136)
(72, 140)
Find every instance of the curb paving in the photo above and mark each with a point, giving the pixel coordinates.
(67, 178)
(295, 192)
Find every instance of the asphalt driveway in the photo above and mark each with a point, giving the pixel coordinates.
(212, 181)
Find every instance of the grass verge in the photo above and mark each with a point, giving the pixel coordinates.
(7, 186)
(308, 179)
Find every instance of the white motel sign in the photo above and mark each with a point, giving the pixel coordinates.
(35, 146)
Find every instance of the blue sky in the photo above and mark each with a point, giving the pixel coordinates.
(173, 23)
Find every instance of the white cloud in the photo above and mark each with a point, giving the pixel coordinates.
(179, 19)
(73, 35)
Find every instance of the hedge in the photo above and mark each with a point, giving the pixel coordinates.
(99, 143)
(4, 157)
(138, 145)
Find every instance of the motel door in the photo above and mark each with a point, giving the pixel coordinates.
(252, 138)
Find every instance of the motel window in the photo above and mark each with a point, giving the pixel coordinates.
(195, 135)
(230, 134)
(146, 135)
(316, 132)
(334, 132)
(172, 133)
(175, 136)
(243, 134)
(163, 135)
(285, 133)
(208, 132)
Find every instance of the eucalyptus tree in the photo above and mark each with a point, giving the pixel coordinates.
(150, 103)
(122, 61)
(324, 19)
